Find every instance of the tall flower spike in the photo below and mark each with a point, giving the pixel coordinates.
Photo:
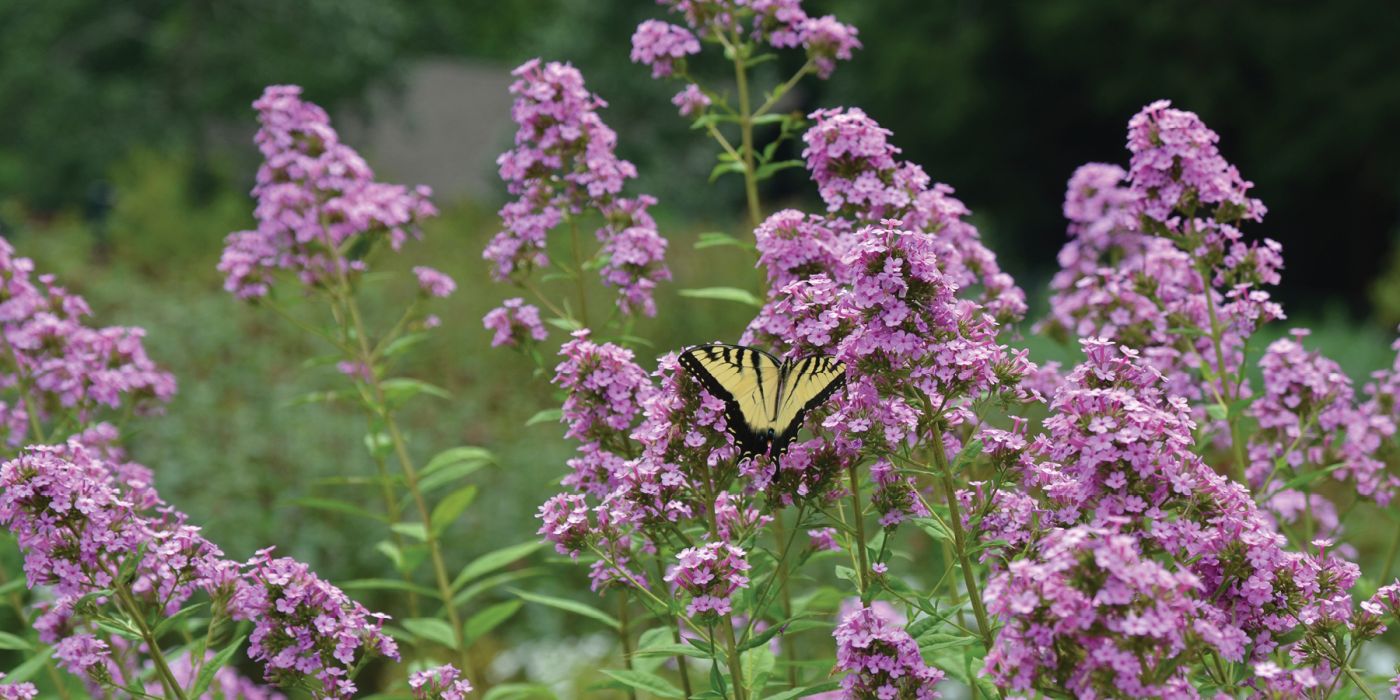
(314, 195)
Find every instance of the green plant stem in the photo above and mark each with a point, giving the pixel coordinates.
(786, 591)
(675, 634)
(410, 474)
(784, 88)
(1225, 398)
(974, 595)
(863, 572)
(624, 633)
(741, 77)
(736, 669)
(126, 600)
(1390, 556)
(1360, 684)
(578, 272)
(391, 509)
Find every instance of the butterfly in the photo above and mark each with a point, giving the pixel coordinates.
(765, 399)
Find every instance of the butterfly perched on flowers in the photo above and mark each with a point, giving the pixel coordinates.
(765, 399)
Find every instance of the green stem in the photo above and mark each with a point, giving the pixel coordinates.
(410, 474)
(1390, 556)
(788, 651)
(863, 572)
(974, 595)
(126, 600)
(736, 669)
(741, 77)
(578, 273)
(393, 512)
(1360, 684)
(1225, 397)
(784, 88)
(624, 633)
(675, 634)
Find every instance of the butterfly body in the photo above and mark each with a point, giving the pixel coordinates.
(765, 398)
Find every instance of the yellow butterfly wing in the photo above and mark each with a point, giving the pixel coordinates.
(747, 380)
(806, 383)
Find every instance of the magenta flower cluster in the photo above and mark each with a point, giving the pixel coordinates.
(563, 165)
(316, 196)
(53, 364)
(305, 630)
(881, 660)
(515, 323)
(440, 683)
(709, 575)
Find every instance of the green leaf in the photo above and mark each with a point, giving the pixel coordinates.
(742, 296)
(491, 582)
(456, 455)
(388, 584)
(179, 617)
(806, 691)
(399, 390)
(483, 622)
(672, 649)
(724, 168)
(432, 629)
(567, 605)
(206, 674)
(757, 665)
(12, 586)
(1217, 411)
(449, 474)
(492, 561)
(548, 415)
(403, 343)
(641, 680)
(335, 506)
(762, 637)
(451, 507)
(414, 530)
(934, 529)
(767, 170)
(563, 324)
(969, 452)
(31, 666)
(519, 691)
(9, 641)
(1309, 477)
(714, 239)
(388, 549)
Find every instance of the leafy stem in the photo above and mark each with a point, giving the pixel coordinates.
(974, 595)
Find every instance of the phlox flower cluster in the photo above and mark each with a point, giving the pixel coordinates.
(306, 630)
(780, 24)
(515, 323)
(84, 518)
(709, 575)
(17, 691)
(440, 683)
(1309, 419)
(564, 164)
(1114, 476)
(861, 179)
(53, 363)
(881, 660)
(319, 208)
(1155, 259)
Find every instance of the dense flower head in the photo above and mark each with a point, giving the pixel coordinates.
(439, 683)
(85, 656)
(859, 176)
(305, 630)
(691, 100)
(565, 522)
(896, 496)
(710, 574)
(684, 425)
(55, 363)
(1116, 457)
(564, 164)
(881, 660)
(1089, 612)
(433, 282)
(514, 323)
(1176, 167)
(795, 246)
(17, 691)
(660, 44)
(606, 388)
(314, 193)
(1308, 419)
(824, 539)
(828, 41)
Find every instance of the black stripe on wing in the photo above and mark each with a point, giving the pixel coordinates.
(783, 440)
(750, 443)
